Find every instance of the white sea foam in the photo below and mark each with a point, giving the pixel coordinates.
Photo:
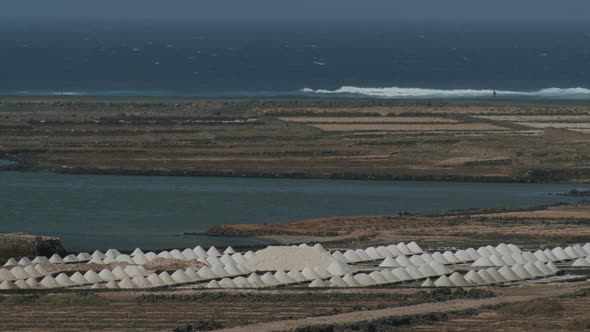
(396, 92)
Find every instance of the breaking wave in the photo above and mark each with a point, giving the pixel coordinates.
(395, 92)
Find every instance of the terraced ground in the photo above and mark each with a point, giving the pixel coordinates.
(429, 140)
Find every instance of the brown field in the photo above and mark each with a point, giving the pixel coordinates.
(536, 118)
(374, 119)
(248, 138)
(566, 125)
(407, 127)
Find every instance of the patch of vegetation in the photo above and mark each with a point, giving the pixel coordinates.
(578, 324)
(202, 325)
(576, 192)
(533, 307)
(54, 299)
(582, 292)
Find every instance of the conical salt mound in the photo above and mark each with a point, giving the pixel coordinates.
(403, 248)
(227, 283)
(229, 250)
(337, 282)
(427, 271)
(427, 258)
(180, 277)
(533, 270)
(310, 274)
(530, 258)
(119, 273)
(483, 261)
(199, 251)
(136, 252)
(32, 271)
(189, 254)
(242, 282)
(486, 277)
(503, 249)
(493, 250)
(414, 247)
(339, 256)
(25, 261)
(6, 285)
(213, 252)
(70, 259)
(192, 274)
(541, 266)
(351, 256)
(417, 260)
(33, 283)
(338, 269)
(508, 260)
(364, 279)
(213, 284)
(378, 277)
(384, 252)
(402, 274)
(386, 273)
(206, 273)
(19, 272)
(394, 250)
(415, 273)
(541, 256)
(440, 258)
(508, 274)
(550, 255)
(552, 267)
(107, 275)
(320, 248)
(98, 254)
(232, 270)
(498, 277)
(79, 279)
(112, 284)
(219, 270)
(560, 254)
(155, 280)
(514, 248)
(443, 281)
(458, 280)
(83, 257)
(127, 283)
(427, 283)
(176, 254)
(92, 277)
(439, 268)
(497, 260)
(214, 261)
(373, 253)
(41, 270)
(318, 283)
(269, 279)
(97, 286)
(484, 252)
(166, 278)
(239, 258)
(580, 251)
(389, 262)
(283, 277)
(113, 253)
(519, 259)
(65, 281)
(11, 262)
(56, 259)
(142, 282)
(520, 272)
(581, 262)
(473, 253)
(133, 271)
(451, 257)
(351, 281)
(362, 255)
(165, 254)
(296, 275)
(255, 280)
(243, 269)
(474, 278)
(403, 261)
(571, 252)
(463, 256)
(41, 260)
(96, 261)
(49, 282)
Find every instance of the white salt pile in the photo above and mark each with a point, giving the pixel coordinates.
(276, 258)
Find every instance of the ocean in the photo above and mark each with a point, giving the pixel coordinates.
(333, 59)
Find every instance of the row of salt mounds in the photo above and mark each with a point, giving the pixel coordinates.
(492, 276)
(416, 260)
(55, 259)
(274, 258)
(381, 252)
(22, 273)
(585, 261)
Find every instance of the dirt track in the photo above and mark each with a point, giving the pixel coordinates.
(526, 293)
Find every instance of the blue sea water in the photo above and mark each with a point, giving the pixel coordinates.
(382, 59)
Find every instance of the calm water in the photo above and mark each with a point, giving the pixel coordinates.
(335, 59)
(125, 212)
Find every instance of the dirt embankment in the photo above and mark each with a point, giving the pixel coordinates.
(20, 245)
(354, 139)
(543, 226)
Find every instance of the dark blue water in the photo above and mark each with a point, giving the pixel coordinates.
(102, 211)
(335, 59)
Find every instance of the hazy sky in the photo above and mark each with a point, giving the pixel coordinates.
(294, 9)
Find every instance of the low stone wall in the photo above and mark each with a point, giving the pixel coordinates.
(20, 244)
